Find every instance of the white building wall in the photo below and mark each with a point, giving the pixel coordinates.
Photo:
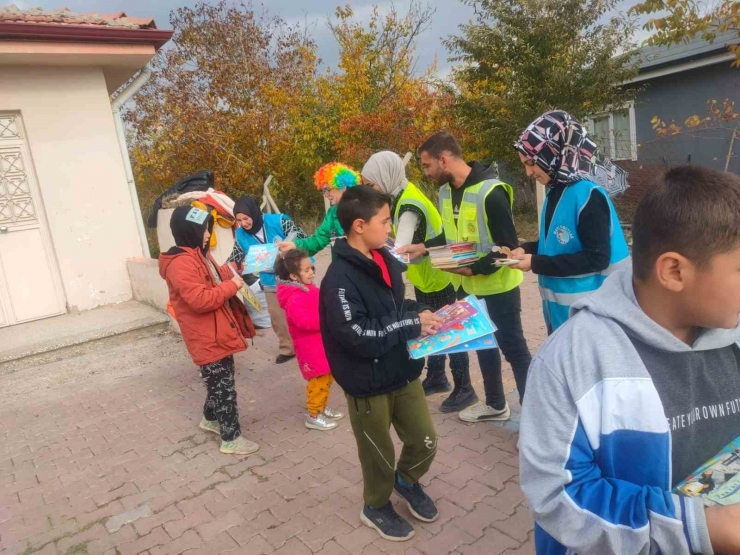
(72, 139)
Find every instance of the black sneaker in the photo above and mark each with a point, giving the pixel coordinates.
(460, 398)
(387, 522)
(435, 384)
(419, 503)
(283, 358)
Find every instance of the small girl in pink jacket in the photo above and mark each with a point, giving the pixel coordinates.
(299, 298)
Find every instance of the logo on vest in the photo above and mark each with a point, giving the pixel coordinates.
(563, 234)
(471, 227)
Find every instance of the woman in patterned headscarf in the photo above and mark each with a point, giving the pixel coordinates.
(581, 240)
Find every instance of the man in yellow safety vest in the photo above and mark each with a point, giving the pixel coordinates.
(477, 207)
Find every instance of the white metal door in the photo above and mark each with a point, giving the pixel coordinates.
(30, 287)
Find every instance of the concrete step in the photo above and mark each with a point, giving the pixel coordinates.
(53, 339)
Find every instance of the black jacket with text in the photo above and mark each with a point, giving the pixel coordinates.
(365, 324)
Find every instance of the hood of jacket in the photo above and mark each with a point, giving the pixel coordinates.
(480, 172)
(166, 259)
(188, 226)
(287, 289)
(616, 300)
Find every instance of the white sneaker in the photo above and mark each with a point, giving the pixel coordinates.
(210, 426)
(239, 446)
(482, 413)
(332, 414)
(319, 422)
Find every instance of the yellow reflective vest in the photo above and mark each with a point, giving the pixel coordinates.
(472, 226)
(423, 275)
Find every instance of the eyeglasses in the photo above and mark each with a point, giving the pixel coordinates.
(325, 191)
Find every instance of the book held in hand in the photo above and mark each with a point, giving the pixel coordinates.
(261, 258)
(454, 314)
(391, 246)
(473, 332)
(717, 481)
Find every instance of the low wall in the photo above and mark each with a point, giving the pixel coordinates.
(147, 285)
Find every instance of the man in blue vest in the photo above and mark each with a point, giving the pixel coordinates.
(476, 207)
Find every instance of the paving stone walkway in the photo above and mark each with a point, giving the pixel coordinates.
(101, 455)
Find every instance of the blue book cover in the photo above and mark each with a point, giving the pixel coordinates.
(261, 258)
(476, 326)
(485, 342)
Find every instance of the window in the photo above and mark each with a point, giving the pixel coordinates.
(614, 134)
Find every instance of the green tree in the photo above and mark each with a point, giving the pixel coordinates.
(520, 58)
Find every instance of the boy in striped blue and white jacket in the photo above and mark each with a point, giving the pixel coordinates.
(642, 385)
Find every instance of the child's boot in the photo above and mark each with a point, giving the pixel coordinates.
(436, 381)
(462, 396)
(319, 422)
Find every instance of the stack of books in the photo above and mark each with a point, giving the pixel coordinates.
(466, 326)
(453, 256)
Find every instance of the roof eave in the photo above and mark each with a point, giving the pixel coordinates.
(83, 33)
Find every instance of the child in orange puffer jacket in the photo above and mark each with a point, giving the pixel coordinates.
(214, 323)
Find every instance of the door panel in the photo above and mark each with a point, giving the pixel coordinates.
(30, 287)
(28, 276)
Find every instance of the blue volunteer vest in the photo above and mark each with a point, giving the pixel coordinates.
(272, 224)
(559, 293)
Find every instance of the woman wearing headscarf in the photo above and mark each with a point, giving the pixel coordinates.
(581, 239)
(415, 220)
(332, 180)
(214, 324)
(256, 228)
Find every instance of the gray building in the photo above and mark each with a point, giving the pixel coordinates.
(675, 83)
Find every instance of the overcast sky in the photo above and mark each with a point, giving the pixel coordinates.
(448, 16)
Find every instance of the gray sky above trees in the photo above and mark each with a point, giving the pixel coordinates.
(449, 15)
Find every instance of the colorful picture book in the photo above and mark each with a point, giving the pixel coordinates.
(261, 258)
(718, 480)
(460, 336)
(454, 314)
(391, 246)
(455, 255)
(480, 344)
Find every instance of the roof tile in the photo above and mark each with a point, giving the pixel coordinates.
(63, 16)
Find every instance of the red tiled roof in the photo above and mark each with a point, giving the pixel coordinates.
(65, 26)
(13, 14)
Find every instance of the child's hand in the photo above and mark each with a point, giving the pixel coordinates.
(238, 281)
(430, 322)
(724, 531)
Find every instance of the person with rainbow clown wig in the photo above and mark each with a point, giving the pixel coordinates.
(332, 180)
